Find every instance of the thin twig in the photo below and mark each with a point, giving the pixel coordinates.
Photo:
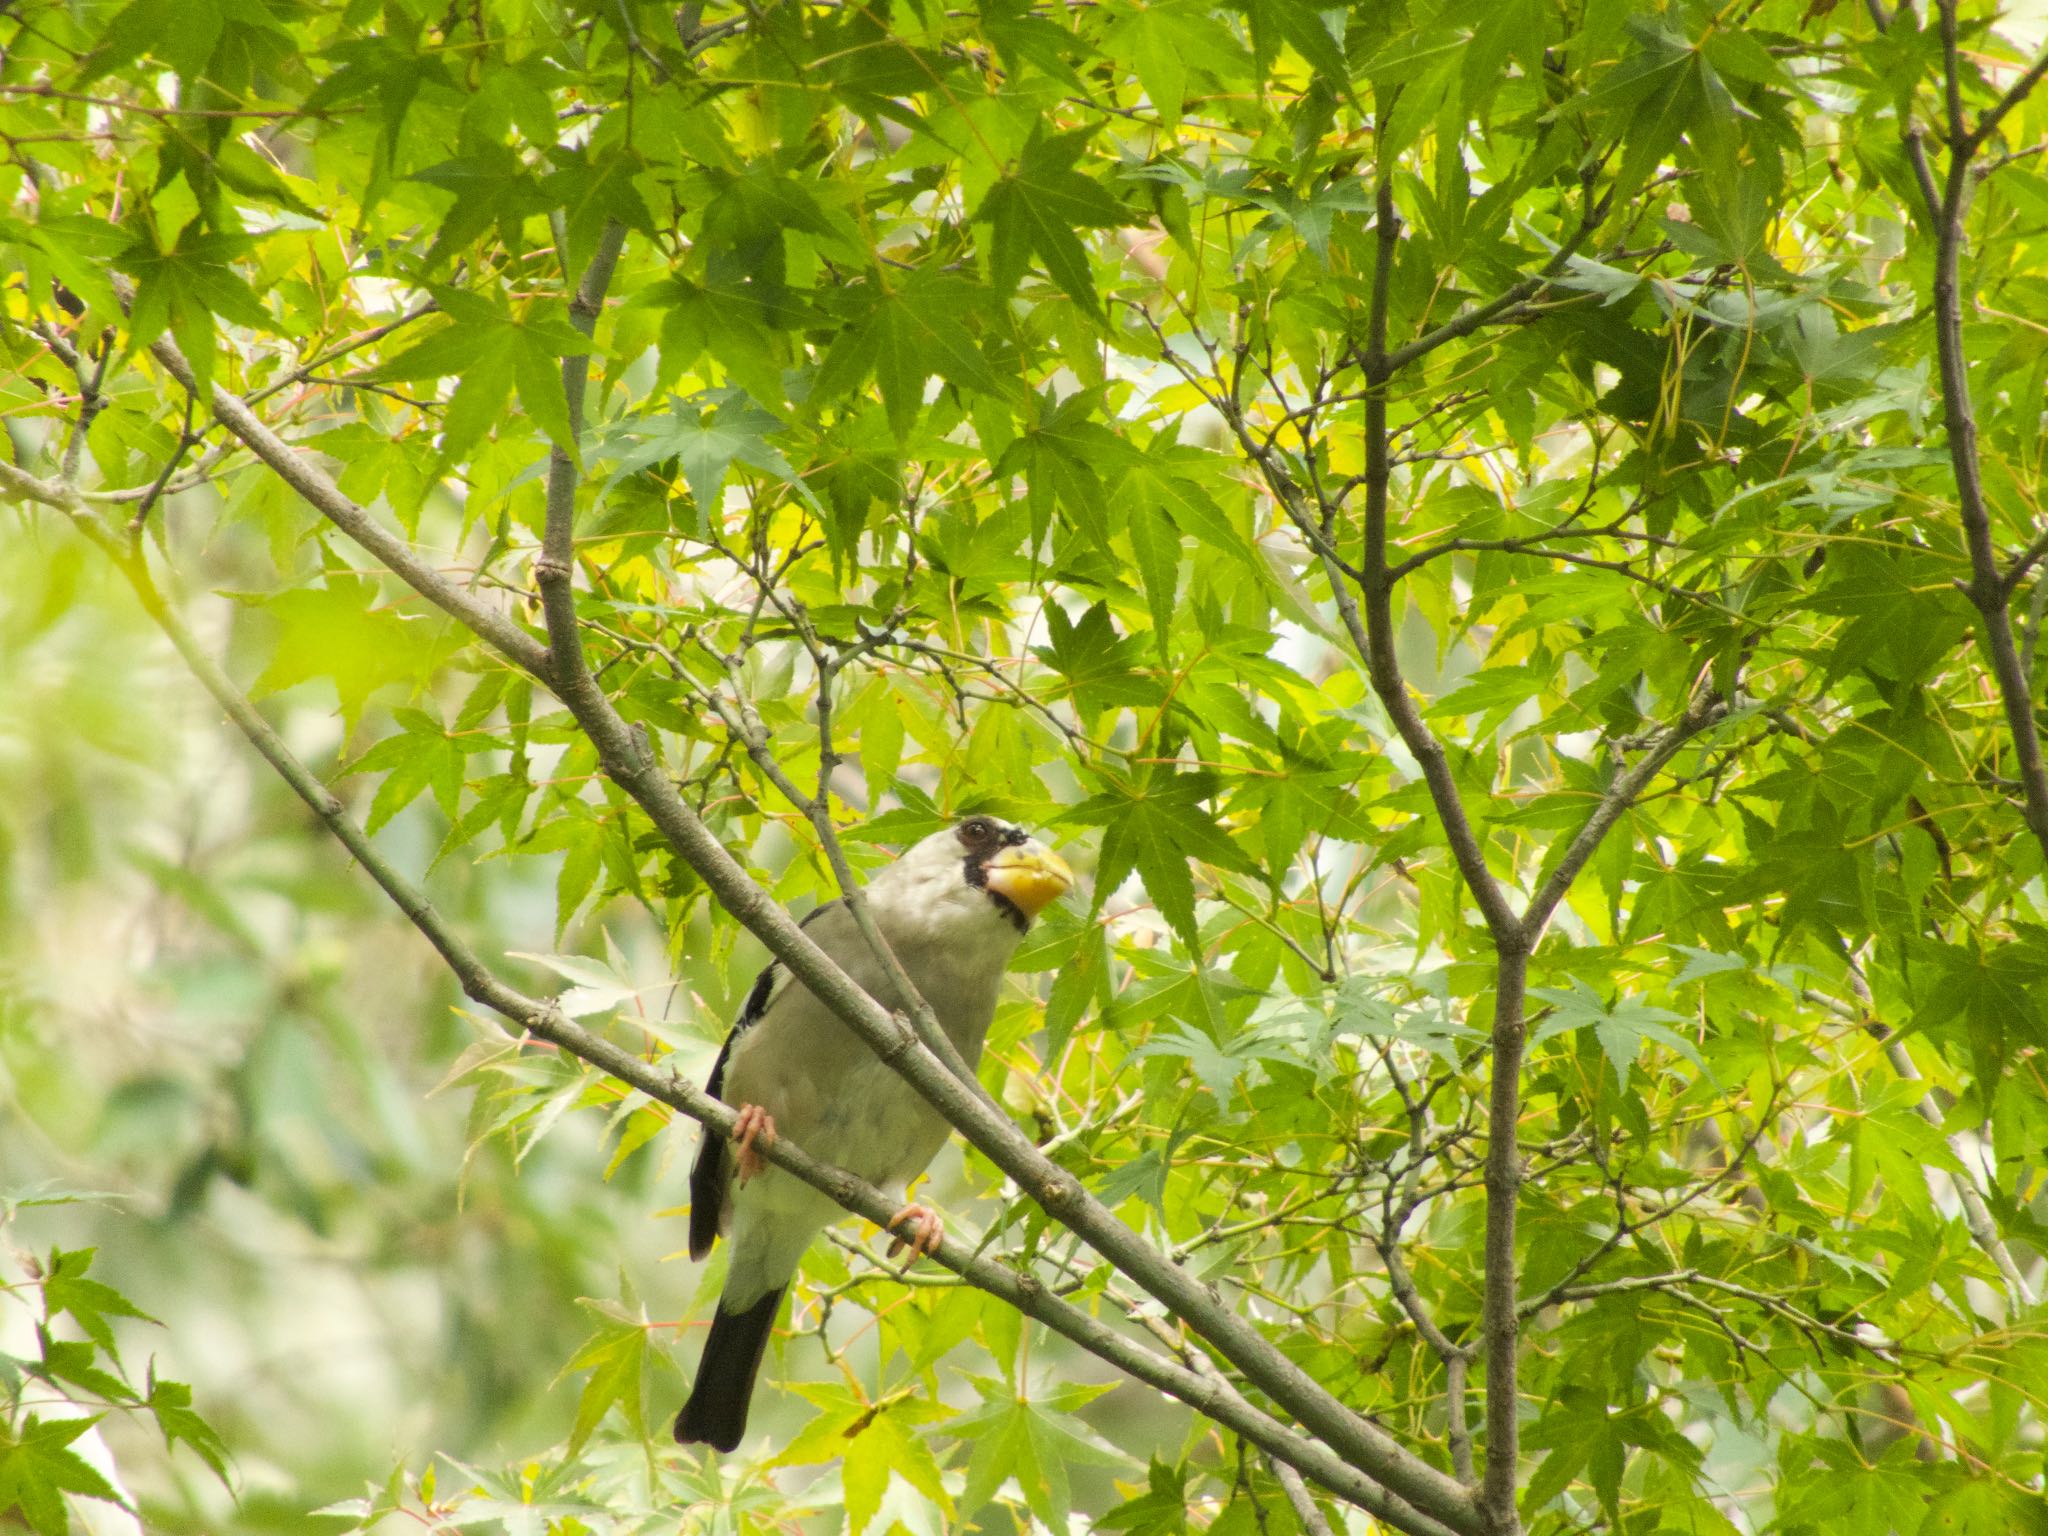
(1977, 1216)
(1627, 788)
(171, 462)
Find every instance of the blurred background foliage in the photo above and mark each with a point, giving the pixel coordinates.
(214, 1020)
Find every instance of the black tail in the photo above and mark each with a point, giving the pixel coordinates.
(716, 1413)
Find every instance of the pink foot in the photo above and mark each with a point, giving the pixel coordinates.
(927, 1230)
(754, 1124)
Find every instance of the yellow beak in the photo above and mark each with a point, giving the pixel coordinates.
(1031, 876)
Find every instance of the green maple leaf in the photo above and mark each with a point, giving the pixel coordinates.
(1216, 1065)
(870, 1440)
(75, 250)
(1038, 207)
(1303, 25)
(616, 1356)
(1153, 826)
(1032, 1441)
(37, 1468)
(171, 1402)
(1157, 544)
(1099, 665)
(1025, 40)
(592, 190)
(1062, 459)
(1621, 1026)
(1579, 1432)
(335, 632)
(184, 288)
(1161, 1509)
(1150, 480)
(73, 1361)
(705, 444)
(906, 336)
(490, 187)
(422, 756)
(67, 1289)
(489, 350)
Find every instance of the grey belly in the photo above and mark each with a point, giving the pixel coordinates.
(879, 1127)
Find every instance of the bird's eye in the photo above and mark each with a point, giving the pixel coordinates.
(977, 829)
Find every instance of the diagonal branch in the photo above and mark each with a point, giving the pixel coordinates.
(556, 573)
(628, 760)
(1627, 787)
(298, 470)
(353, 342)
(743, 723)
(1525, 290)
(1204, 1389)
(2016, 93)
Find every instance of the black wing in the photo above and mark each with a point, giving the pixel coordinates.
(712, 1171)
(710, 1174)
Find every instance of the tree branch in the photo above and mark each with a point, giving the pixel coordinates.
(23, 486)
(1205, 1391)
(1457, 1358)
(1304, 1507)
(744, 723)
(1371, 628)
(1976, 1214)
(1626, 789)
(354, 342)
(556, 570)
(1987, 589)
(629, 761)
(298, 470)
(1395, 1511)
(1377, 635)
(1376, 640)
(1676, 1282)
(1500, 1327)
(2018, 92)
(1528, 288)
(1499, 1322)
(2027, 559)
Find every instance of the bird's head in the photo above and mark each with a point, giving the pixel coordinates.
(987, 863)
(1019, 873)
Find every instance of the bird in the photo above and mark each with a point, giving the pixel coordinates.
(953, 909)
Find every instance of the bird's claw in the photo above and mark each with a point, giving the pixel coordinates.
(927, 1231)
(751, 1125)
